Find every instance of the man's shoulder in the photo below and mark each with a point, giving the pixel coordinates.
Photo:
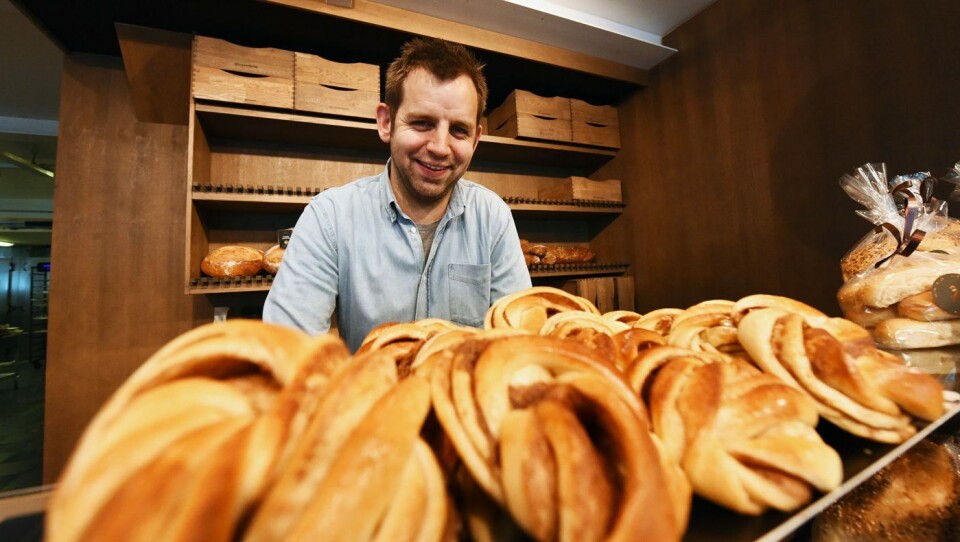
(478, 195)
(363, 188)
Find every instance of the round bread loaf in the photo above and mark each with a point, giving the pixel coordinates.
(272, 258)
(232, 261)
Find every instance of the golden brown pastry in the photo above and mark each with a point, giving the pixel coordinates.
(530, 259)
(332, 489)
(854, 309)
(922, 307)
(529, 309)
(904, 277)
(232, 261)
(198, 432)
(517, 409)
(659, 320)
(746, 440)
(905, 333)
(828, 362)
(625, 316)
(706, 327)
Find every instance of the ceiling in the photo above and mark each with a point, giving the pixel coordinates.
(626, 31)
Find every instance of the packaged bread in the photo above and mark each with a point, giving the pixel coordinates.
(272, 258)
(232, 261)
(899, 278)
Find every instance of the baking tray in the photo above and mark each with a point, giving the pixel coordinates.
(862, 459)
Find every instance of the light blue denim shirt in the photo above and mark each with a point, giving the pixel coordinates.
(354, 250)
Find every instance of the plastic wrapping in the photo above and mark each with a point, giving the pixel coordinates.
(890, 274)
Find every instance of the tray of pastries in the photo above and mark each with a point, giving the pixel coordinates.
(730, 419)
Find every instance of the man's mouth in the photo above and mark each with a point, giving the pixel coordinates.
(433, 167)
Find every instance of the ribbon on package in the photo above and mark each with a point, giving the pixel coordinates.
(910, 239)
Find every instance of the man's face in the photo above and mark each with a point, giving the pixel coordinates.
(432, 136)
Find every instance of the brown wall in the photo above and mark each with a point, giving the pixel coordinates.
(116, 292)
(733, 153)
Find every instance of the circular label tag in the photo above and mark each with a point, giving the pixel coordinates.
(946, 293)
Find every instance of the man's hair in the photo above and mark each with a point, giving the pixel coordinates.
(445, 60)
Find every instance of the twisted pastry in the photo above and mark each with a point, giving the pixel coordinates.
(197, 431)
(826, 362)
(704, 328)
(627, 317)
(517, 409)
(361, 470)
(746, 440)
(529, 309)
(630, 342)
(403, 341)
(589, 329)
(659, 320)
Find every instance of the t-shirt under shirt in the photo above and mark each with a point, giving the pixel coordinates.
(426, 235)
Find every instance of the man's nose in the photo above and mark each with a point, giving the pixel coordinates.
(439, 143)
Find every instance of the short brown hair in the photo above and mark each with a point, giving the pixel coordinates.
(444, 59)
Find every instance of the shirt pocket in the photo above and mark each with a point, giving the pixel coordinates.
(469, 293)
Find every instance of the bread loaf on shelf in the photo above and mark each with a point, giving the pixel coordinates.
(272, 258)
(232, 261)
(536, 253)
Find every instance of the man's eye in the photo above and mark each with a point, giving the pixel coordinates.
(421, 124)
(459, 131)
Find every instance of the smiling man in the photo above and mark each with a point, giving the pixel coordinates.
(417, 240)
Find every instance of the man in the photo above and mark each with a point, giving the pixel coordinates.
(415, 241)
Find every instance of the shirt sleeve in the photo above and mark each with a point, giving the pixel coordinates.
(304, 292)
(509, 272)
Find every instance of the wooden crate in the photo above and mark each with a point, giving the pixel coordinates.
(335, 88)
(597, 125)
(527, 126)
(524, 114)
(581, 188)
(227, 72)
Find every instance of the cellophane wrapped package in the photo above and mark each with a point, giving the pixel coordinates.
(902, 279)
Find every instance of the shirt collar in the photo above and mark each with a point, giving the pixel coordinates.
(391, 209)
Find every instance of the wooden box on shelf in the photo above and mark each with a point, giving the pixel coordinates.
(526, 115)
(226, 72)
(595, 124)
(334, 88)
(582, 189)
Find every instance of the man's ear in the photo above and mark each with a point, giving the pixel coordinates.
(383, 122)
(476, 140)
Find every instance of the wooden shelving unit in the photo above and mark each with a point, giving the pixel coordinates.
(253, 169)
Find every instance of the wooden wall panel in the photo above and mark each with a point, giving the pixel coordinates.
(731, 156)
(116, 292)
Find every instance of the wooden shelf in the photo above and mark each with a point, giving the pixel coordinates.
(261, 283)
(560, 209)
(212, 285)
(250, 202)
(225, 122)
(578, 270)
